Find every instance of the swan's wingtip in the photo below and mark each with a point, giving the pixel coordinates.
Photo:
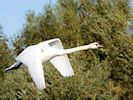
(6, 69)
(41, 88)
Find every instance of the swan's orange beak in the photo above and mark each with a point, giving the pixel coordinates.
(100, 46)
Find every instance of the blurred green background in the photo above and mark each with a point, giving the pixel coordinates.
(102, 74)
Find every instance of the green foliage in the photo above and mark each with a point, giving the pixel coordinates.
(4, 52)
(105, 73)
(5, 61)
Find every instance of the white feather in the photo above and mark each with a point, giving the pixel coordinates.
(31, 57)
(34, 56)
(61, 63)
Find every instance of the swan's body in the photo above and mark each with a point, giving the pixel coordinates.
(33, 57)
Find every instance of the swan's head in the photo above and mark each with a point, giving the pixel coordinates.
(95, 45)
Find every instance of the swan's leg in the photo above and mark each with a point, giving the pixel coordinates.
(14, 66)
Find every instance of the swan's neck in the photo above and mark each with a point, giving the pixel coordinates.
(67, 51)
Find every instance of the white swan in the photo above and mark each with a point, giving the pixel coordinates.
(33, 57)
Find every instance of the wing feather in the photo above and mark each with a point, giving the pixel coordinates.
(61, 63)
(31, 57)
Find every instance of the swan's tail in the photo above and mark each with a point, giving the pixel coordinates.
(14, 66)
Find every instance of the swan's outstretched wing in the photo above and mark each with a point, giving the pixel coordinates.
(31, 57)
(61, 63)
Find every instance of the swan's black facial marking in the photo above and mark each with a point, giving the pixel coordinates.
(97, 44)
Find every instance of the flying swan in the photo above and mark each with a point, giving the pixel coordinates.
(33, 57)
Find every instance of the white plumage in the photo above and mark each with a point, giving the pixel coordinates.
(33, 57)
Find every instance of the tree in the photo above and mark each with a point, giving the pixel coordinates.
(4, 52)
(105, 73)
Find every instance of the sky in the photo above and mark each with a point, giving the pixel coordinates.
(13, 13)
